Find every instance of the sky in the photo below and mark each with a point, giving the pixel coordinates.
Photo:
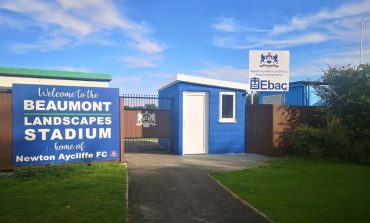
(143, 43)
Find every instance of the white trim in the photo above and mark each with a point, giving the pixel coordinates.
(204, 81)
(206, 119)
(226, 120)
(8, 81)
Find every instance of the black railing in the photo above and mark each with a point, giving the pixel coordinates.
(146, 102)
(147, 144)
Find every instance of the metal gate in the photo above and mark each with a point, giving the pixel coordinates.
(147, 123)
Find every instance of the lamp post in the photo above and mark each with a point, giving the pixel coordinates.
(362, 36)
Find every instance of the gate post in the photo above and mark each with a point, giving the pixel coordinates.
(6, 125)
(122, 135)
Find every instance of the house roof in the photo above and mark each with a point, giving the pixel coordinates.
(53, 74)
(204, 81)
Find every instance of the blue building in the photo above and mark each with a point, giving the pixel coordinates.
(301, 93)
(208, 115)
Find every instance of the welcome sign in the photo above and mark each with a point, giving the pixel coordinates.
(62, 124)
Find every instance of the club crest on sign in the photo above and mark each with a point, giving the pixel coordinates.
(145, 119)
(269, 60)
(114, 153)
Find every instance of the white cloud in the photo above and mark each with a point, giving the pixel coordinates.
(224, 72)
(297, 40)
(142, 62)
(309, 71)
(160, 75)
(73, 69)
(338, 24)
(44, 45)
(344, 57)
(80, 20)
(230, 42)
(313, 68)
(18, 24)
(49, 13)
(134, 62)
(295, 24)
(354, 9)
(134, 84)
(225, 24)
(148, 46)
(127, 79)
(229, 25)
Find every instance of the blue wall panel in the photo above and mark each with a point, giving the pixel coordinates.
(297, 95)
(223, 137)
(173, 92)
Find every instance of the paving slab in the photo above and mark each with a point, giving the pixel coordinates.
(170, 188)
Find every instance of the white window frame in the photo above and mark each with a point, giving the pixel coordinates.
(227, 120)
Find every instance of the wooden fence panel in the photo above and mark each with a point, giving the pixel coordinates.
(259, 129)
(269, 125)
(6, 144)
(286, 118)
(162, 129)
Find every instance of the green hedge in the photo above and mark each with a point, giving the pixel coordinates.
(333, 140)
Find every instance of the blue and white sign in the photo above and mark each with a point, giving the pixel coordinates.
(62, 124)
(269, 70)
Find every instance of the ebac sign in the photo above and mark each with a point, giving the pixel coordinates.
(63, 124)
(269, 70)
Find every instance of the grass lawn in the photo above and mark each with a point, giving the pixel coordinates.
(304, 191)
(68, 193)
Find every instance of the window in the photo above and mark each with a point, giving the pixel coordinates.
(227, 107)
(277, 99)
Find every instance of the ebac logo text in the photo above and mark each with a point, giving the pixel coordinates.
(257, 84)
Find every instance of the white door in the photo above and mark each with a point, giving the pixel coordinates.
(195, 123)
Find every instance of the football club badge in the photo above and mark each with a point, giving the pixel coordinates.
(114, 153)
(269, 60)
(145, 119)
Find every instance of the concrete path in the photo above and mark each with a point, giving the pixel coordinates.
(169, 188)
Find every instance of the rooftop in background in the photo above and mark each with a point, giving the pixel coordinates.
(306, 83)
(205, 81)
(53, 74)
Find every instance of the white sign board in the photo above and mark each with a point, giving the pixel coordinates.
(269, 70)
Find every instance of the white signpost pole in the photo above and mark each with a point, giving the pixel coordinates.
(252, 93)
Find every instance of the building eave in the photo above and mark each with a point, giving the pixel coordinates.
(53, 74)
(204, 81)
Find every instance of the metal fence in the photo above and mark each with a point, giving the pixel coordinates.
(146, 102)
(147, 144)
(147, 123)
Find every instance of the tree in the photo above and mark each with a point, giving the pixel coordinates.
(150, 106)
(347, 96)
